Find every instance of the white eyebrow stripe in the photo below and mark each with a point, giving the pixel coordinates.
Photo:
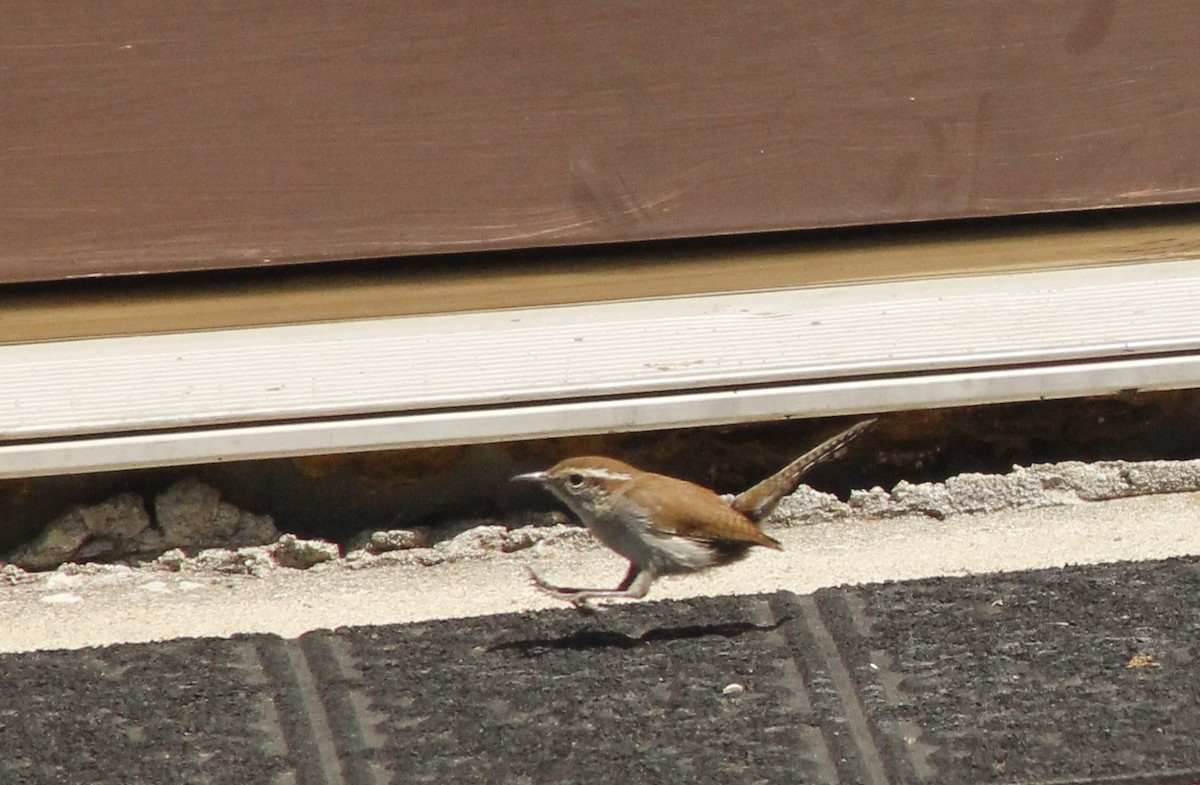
(600, 474)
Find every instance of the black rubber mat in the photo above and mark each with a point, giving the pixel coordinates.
(1079, 675)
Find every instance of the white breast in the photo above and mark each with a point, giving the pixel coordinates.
(634, 538)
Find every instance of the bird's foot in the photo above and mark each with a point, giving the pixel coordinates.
(580, 598)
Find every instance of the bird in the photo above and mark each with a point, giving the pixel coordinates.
(664, 525)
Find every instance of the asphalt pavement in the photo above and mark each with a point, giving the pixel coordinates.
(1085, 674)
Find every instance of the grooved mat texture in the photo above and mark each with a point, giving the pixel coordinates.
(1079, 675)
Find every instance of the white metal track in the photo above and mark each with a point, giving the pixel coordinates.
(109, 403)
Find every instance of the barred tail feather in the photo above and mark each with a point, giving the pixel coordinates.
(760, 501)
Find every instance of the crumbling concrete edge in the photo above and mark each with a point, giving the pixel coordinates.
(1040, 485)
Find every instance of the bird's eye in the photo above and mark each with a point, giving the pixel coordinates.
(575, 480)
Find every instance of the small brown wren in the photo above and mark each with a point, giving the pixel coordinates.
(664, 525)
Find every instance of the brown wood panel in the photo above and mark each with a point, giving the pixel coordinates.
(145, 136)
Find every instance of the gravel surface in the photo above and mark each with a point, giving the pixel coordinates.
(1043, 516)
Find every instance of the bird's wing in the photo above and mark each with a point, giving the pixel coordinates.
(696, 512)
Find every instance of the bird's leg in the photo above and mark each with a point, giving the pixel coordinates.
(630, 576)
(634, 586)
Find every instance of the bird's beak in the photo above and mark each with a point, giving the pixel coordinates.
(538, 477)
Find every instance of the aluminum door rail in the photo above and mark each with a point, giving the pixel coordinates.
(123, 402)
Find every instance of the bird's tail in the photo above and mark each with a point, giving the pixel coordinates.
(760, 501)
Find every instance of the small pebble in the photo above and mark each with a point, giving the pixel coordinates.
(63, 579)
(733, 689)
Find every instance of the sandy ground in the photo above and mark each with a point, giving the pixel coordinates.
(75, 607)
